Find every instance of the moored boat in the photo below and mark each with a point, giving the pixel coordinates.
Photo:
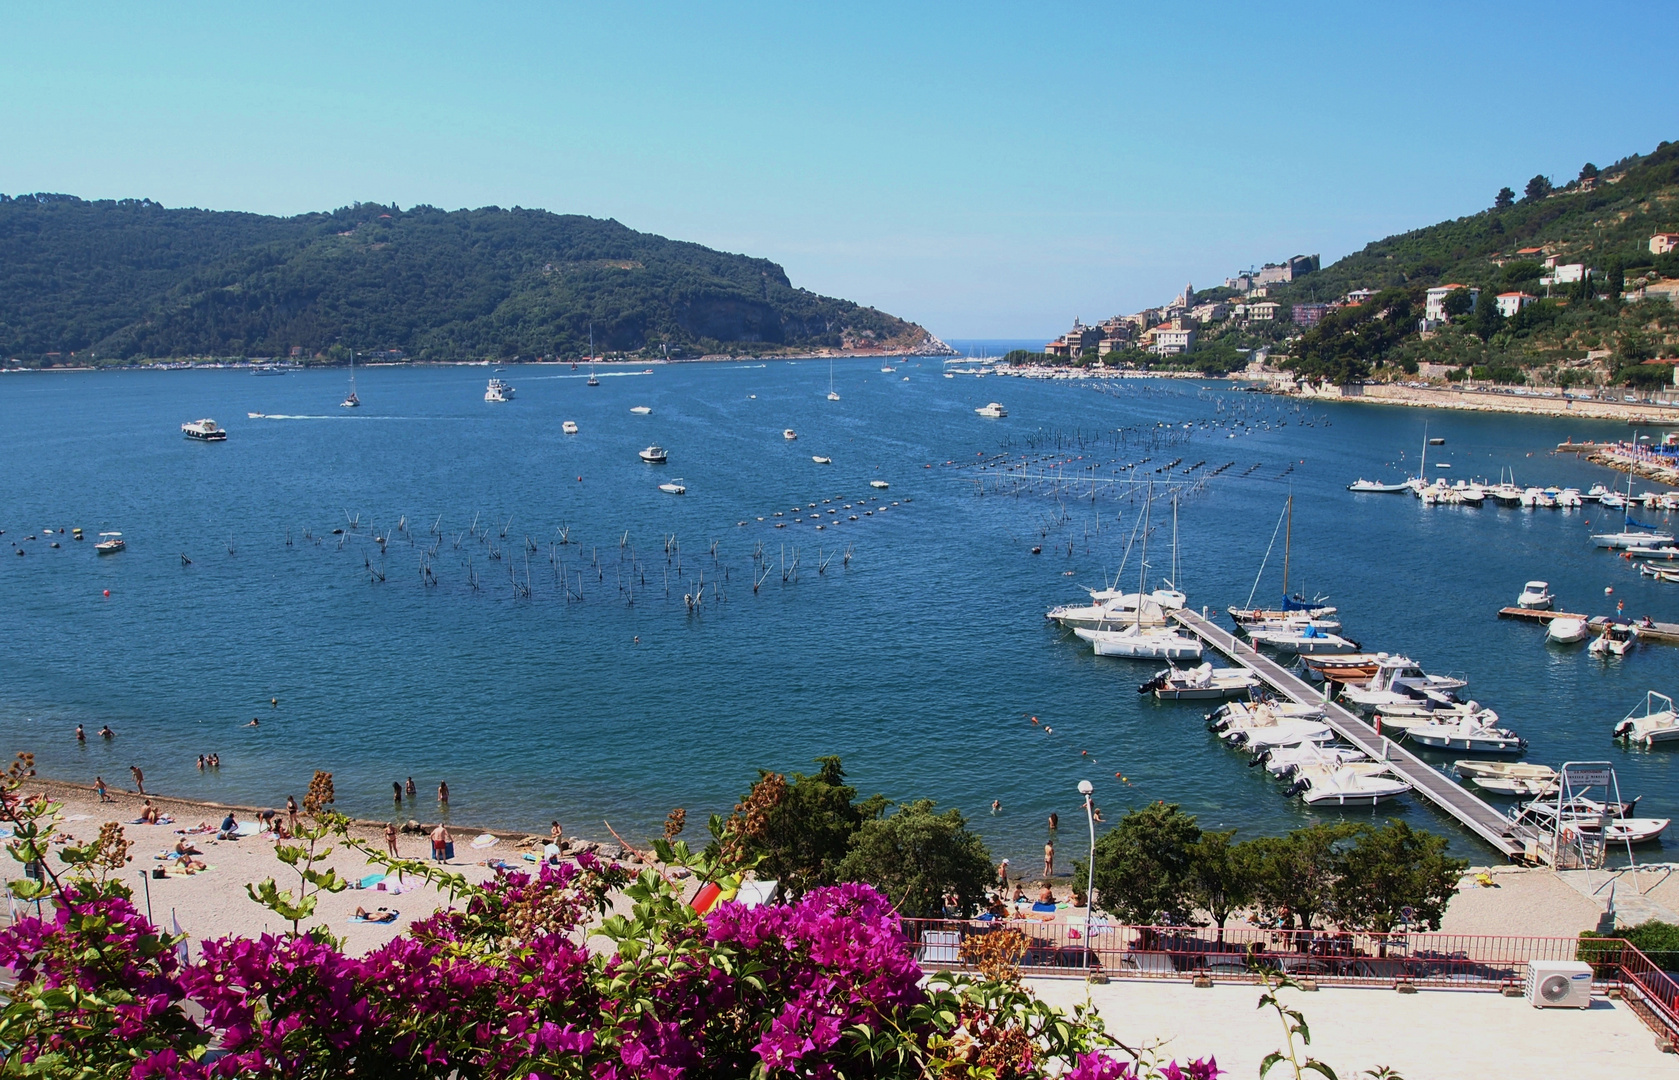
(204, 431)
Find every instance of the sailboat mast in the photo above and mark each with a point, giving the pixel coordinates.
(1288, 537)
(1142, 564)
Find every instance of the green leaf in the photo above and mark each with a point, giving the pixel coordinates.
(1318, 1067)
(1270, 1059)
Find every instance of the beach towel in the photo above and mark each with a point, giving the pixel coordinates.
(384, 922)
(448, 851)
(370, 881)
(249, 828)
(484, 840)
(1044, 907)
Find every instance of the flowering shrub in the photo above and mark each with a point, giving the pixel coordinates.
(504, 984)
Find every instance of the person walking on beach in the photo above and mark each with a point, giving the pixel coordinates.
(81, 736)
(1003, 874)
(390, 840)
(291, 811)
(1049, 859)
(443, 793)
(99, 786)
(139, 778)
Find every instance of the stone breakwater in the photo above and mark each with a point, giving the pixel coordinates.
(1494, 401)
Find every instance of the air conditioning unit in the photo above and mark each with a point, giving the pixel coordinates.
(1558, 984)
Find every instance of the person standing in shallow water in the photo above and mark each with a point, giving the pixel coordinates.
(139, 778)
(1054, 821)
(396, 791)
(1049, 859)
(443, 793)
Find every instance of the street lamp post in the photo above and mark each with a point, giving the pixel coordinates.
(1087, 789)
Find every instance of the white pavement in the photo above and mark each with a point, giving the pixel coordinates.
(1429, 1035)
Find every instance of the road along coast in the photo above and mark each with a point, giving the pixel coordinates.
(1533, 404)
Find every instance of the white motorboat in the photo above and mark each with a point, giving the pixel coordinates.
(879, 485)
(1279, 733)
(1535, 595)
(1613, 639)
(1475, 731)
(204, 431)
(789, 434)
(640, 410)
(110, 543)
(1143, 643)
(1346, 786)
(1591, 818)
(994, 410)
(1664, 551)
(498, 391)
(1200, 683)
(1509, 778)
(674, 487)
(1285, 761)
(1567, 631)
(654, 455)
(569, 427)
(821, 460)
(1373, 487)
(1114, 610)
(1398, 682)
(257, 415)
(1651, 722)
(1307, 639)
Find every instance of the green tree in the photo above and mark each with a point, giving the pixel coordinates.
(1487, 320)
(1296, 873)
(1504, 199)
(1221, 875)
(1143, 865)
(1614, 279)
(1588, 171)
(807, 832)
(917, 857)
(1521, 272)
(1389, 869)
(1537, 188)
(1458, 302)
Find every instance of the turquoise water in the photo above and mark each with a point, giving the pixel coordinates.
(919, 661)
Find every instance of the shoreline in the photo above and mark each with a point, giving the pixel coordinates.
(1656, 415)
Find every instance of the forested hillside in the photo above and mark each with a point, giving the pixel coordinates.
(119, 281)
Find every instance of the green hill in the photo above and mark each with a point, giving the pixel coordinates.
(1603, 219)
(120, 281)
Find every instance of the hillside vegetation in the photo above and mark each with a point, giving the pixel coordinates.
(120, 281)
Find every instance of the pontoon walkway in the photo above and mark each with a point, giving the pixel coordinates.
(1459, 802)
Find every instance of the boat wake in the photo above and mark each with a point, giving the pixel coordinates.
(582, 375)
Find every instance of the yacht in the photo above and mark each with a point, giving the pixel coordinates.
(789, 434)
(1113, 612)
(569, 427)
(675, 487)
(592, 380)
(110, 543)
(833, 395)
(820, 460)
(351, 401)
(1146, 643)
(888, 369)
(204, 431)
(1200, 683)
(1632, 534)
(640, 410)
(1475, 731)
(879, 484)
(1651, 722)
(498, 391)
(994, 410)
(1373, 487)
(1535, 595)
(1569, 630)
(1307, 639)
(1399, 681)
(654, 455)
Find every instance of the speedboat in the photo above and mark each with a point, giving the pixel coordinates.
(203, 431)
(640, 410)
(654, 455)
(1308, 639)
(569, 427)
(820, 460)
(498, 391)
(879, 484)
(1347, 786)
(1610, 822)
(789, 434)
(994, 410)
(1508, 777)
(1399, 681)
(1475, 731)
(1200, 683)
(1139, 642)
(1285, 761)
(675, 487)
(1373, 487)
(1663, 551)
(1567, 631)
(109, 543)
(1535, 595)
(1651, 722)
(1613, 639)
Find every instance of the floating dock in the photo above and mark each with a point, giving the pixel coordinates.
(1454, 799)
(1662, 633)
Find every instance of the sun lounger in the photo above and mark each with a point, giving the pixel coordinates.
(1149, 963)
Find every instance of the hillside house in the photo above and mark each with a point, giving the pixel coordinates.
(1309, 314)
(1172, 338)
(1434, 307)
(1509, 303)
(1075, 341)
(1566, 274)
(1358, 296)
(1211, 312)
(1664, 242)
(1264, 311)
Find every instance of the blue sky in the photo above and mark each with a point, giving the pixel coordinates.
(986, 170)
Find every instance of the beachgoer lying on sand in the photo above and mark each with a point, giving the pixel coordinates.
(189, 864)
(378, 915)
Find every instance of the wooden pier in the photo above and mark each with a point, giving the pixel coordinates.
(1475, 814)
(1658, 632)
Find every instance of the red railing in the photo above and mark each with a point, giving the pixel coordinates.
(1459, 961)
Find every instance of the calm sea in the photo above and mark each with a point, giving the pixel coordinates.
(910, 641)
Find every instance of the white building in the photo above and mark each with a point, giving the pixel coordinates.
(1511, 302)
(1566, 274)
(1171, 341)
(1434, 309)
(1264, 311)
(1211, 312)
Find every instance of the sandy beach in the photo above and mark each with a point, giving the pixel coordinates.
(213, 902)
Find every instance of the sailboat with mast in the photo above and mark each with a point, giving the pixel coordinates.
(351, 402)
(833, 395)
(1633, 533)
(1295, 608)
(592, 380)
(1136, 640)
